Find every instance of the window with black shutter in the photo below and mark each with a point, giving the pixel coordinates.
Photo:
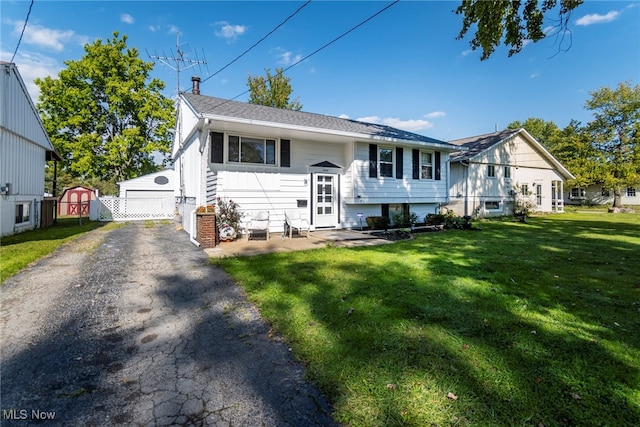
(415, 163)
(285, 153)
(438, 166)
(399, 165)
(373, 161)
(217, 147)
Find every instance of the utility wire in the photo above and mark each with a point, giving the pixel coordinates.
(323, 47)
(259, 41)
(22, 33)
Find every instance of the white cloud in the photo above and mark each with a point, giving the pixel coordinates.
(31, 66)
(534, 75)
(467, 52)
(411, 125)
(38, 35)
(435, 114)
(286, 57)
(229, 32)
(596, 18)
(127, 19)
(343, 116)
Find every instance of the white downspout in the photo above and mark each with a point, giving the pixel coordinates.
(192, 229)
(466, 187)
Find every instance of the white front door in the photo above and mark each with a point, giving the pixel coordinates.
(325, 190)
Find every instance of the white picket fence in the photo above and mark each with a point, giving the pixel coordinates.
(133, 208)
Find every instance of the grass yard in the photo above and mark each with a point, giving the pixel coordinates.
(533, 324)
(19, 250)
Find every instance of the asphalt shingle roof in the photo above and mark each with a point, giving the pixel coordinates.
(477, 144)
(209, 105)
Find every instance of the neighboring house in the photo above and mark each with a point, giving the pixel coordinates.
(75, 201)
(151, 186)
(335, 171)
(597, 195)
(25, 148)
(486, 177)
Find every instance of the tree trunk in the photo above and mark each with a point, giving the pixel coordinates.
(617, 199)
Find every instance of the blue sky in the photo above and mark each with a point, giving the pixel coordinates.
(403, 68)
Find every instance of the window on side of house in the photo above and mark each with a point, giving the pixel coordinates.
(605, 192)
(251, 150)
(23, 212)
(426, 165)
(578, 193)
(491, 171)
(507, 172)
(492, 206)
(385, 162)
(631, 192)
(525, 190)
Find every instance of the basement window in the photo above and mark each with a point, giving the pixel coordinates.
(22, 213)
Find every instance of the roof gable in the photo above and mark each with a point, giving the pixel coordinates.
(211, 106)
(479, 144)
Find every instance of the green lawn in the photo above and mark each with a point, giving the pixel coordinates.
(533, 324)
(19, 250)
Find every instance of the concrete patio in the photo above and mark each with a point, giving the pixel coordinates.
(276, 243)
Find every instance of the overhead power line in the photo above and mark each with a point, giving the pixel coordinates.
(22, 33)
(329, 43)
(259, 41)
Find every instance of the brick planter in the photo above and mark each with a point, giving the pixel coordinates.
(207, 232)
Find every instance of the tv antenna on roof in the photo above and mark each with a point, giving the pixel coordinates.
(179, 62)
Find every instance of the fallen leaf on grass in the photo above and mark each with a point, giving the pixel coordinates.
(576, 396)
(465, 347)
(391, 386)
(452, 396)
(538, 379)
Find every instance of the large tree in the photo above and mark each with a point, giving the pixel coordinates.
(274, 90)
(104, 114)
(615, 134)
(511, 22)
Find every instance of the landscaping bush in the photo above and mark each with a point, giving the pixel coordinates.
(403, 220)
(377, 222)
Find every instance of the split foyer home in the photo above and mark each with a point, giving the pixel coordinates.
(25, 148)
(334, 172)
(495, 166)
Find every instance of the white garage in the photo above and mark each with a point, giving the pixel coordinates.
(152, 186)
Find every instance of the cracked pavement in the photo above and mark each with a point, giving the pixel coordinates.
(132, 326)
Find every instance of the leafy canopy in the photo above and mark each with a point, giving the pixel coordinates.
(512, 22)
(104, 115)
(615, 132)
(272, 90)
(606, 151)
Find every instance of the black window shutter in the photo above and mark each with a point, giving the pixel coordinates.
(373, 160)
(285, 153)
(217, 147)
(415, 163)
(438, 166)
(399, 160)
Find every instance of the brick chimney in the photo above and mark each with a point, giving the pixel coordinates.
(196, 85)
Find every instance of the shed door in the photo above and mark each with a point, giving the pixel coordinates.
(325, 212)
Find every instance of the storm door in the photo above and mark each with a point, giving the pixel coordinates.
(325, 200)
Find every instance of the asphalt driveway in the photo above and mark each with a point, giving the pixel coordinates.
(132, 326)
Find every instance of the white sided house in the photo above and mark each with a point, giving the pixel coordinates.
(598, 195)
(335, 171)
(486, 177)
(25, 148)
